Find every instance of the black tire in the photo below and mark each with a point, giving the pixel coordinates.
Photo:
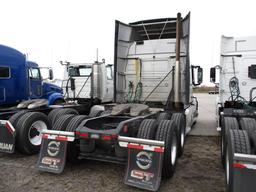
(180, 121)
(73, 149)
(228, 123)
(52, 115)
(237, 142)
(249, 124)
(62, 122)
(147, 129)
(61, 112)
(163, 116)
(75, 122)
(167, 132)
(24, 130)
(95, 113)
(14, 118)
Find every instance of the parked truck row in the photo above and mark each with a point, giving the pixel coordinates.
(136, 112)
(146, 114)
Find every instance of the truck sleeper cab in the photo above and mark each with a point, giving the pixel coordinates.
(145, 126)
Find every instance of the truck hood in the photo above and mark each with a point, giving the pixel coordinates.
(49, 87)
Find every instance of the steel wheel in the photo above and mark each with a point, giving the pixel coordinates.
(227, 168)
(174, 150)
(35, 132)
(182, 139)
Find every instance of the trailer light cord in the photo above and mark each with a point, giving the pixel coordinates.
(234, 90)
(234, 86)
(138, 92)
(130, 92)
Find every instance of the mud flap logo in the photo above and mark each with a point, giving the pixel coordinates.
(6, 146)
(53, 148)
(144, 160)
(141, 175)
(50, 161)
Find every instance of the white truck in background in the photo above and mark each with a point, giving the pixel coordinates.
(236, 111)
(83, 81)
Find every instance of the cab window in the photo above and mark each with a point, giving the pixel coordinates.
(4, 72)
(109, 72)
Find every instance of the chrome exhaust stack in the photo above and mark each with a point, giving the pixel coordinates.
(177, 75)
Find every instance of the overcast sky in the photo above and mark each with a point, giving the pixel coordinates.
(53, 30)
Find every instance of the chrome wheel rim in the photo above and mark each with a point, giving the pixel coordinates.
(35, 132)
(227, 168)
(182, 139)
(174, 150)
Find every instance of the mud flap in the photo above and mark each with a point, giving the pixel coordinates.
(52, 157)
(244, 172)
(7, 137)
(144, 163)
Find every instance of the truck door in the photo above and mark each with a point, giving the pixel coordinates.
(5, 84)
(35, 81)
(109, 83)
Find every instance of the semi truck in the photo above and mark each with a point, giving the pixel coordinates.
(21, 80)
(236, 109)
(145, 126)
(21, 127)
(77, 83)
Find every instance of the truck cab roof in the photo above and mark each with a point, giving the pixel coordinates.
(9, 55)
(32, 64)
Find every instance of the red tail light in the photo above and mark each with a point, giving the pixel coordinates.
(108, 137)
(238, 165)
(125, 129)
(85, 135)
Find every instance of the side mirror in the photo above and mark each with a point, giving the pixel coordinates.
(197, 75)
(213, 75)
(50, 74)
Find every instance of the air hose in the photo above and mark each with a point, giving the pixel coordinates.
(130, 92)
(234, 86)
(137, 94)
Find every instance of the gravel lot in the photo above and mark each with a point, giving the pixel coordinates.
(199, 169)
